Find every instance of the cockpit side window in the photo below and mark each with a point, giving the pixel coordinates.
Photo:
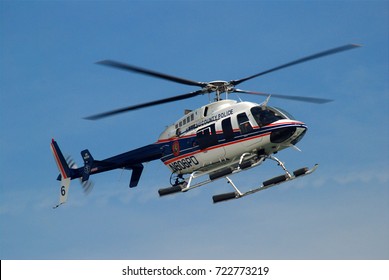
(264, 116)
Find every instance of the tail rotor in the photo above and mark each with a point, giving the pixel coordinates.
(88, 185)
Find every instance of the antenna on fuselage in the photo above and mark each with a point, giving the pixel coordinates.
(264, 104)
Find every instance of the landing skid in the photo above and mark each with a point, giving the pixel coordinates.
(245, 162)
(265, 185)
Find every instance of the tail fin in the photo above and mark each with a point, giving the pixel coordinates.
(60, 160)
(65, 172)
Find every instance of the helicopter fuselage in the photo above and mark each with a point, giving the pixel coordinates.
(218, 134)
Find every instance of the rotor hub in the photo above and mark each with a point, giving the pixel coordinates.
(219, 87)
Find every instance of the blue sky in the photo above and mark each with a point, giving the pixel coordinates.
(49, 81)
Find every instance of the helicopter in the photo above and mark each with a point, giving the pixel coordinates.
(212, 142)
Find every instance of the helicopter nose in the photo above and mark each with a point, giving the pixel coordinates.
(300, 132)
(292, 134)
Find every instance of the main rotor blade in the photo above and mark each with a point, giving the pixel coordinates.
(143, 105)
(290, 97)
(148, 72)
(301, 60)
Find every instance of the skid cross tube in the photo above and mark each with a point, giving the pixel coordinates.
(239, 193)
(280, 163)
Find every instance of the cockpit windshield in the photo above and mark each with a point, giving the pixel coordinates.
(264, 116)
(267, 115)
(285, 113)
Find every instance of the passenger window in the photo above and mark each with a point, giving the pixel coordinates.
(207, 137)
(205, 111)
(244, 123)
(227, 129)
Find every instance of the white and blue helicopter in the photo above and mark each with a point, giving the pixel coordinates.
(215, 141)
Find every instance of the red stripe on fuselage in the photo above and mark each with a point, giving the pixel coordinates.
(58, 161)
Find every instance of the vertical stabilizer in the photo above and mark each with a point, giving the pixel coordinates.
(64, 170)
(60, 160)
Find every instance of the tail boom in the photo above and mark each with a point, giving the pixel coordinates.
(131, 160)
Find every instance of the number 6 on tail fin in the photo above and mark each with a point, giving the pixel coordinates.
(65, 183)
(65, 172)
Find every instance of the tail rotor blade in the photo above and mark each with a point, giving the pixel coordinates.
(87, 186)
